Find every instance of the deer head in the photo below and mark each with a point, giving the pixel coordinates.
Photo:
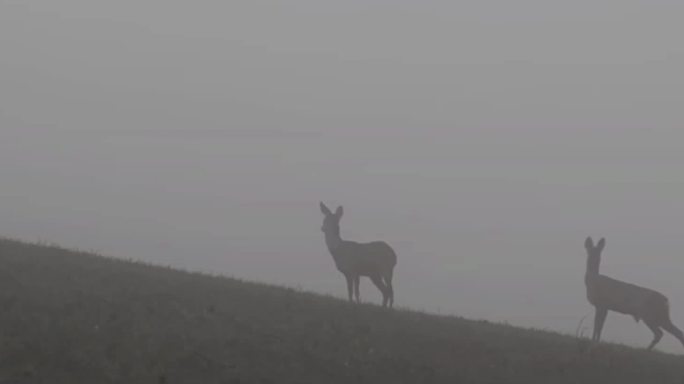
(594, 254)
(331, 221)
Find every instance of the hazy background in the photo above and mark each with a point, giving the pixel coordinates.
(483, 139)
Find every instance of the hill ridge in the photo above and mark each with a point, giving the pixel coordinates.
(71, 316)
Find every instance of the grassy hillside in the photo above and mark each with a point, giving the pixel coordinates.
(71, 317)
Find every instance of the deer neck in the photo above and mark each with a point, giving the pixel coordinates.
(592, 270)
(333, 241)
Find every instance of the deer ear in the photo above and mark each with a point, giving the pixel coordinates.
(325, 209)
(601, 244)
(589, 243)
(339, 212)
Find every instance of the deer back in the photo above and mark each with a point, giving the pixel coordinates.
(364, 258)
(622, 297)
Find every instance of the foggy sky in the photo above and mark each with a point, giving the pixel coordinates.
(484, 140)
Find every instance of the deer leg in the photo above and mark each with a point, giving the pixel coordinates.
(657, 332)
(350, 287)
(390, 289)
(599, 320)
(357, 281)
(381, 286)
(674, 331)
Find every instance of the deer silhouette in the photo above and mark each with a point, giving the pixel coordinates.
(376, 259)
(607, 294)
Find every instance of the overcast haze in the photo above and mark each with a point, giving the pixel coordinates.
(484, 140)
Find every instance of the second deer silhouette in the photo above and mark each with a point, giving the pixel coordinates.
(607, 294)
(376, 260)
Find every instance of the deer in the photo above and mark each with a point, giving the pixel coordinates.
(607, 294)
(375, 260)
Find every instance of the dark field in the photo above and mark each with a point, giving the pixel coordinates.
(72, 317)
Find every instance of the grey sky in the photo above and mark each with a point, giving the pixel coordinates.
(483, 139)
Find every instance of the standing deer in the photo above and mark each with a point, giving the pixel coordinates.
(607, 294)
(375, 260)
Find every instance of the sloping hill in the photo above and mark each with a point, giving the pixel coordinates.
(72, 317)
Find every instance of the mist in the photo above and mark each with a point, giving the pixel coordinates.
(483, 140)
